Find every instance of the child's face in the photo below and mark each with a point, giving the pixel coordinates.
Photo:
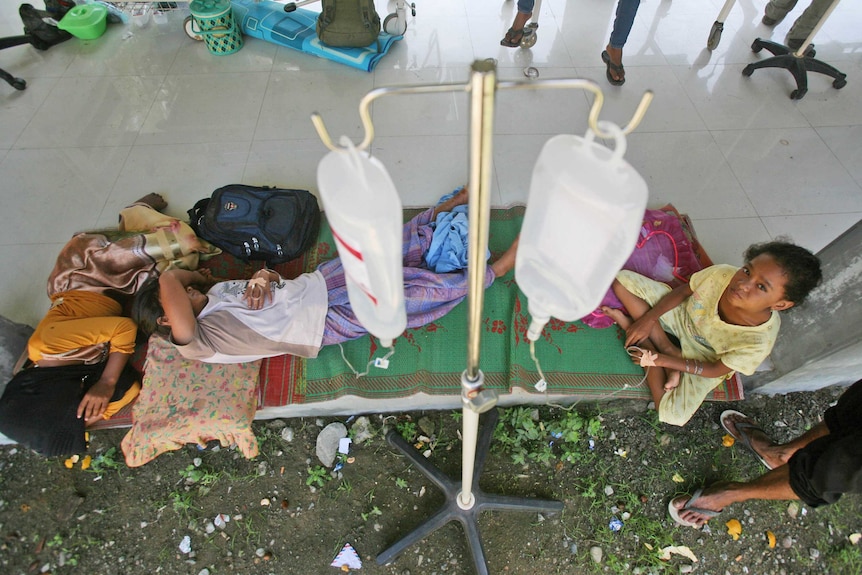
(758, 286)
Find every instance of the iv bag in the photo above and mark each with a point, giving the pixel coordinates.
(583, 215)
(366, 218)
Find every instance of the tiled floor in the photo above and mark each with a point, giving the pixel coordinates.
(142, 110)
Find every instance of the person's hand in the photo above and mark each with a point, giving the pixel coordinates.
(95, 401)
(639, 330)
(258, 290)
(643, 357)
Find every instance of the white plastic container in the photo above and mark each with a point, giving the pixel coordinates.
(584, 212)
(365, 214)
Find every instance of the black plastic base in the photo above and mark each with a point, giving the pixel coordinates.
(451, 511)
(798, 66)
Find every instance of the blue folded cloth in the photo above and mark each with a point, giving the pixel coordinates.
(448, 250)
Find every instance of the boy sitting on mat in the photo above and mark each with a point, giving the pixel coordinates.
(266, 316)
(725, 320)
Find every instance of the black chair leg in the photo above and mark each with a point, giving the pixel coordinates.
(798, 66)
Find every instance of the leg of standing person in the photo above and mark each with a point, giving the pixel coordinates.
(516, 32)
(613, 54)
(776, 10)
(806, 22)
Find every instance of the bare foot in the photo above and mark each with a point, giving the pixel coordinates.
(618, 316)
(506, 262)
(714, 498)
(761, 443)
(673, 379)
(616, 56)
(459, 199)
(155, 201)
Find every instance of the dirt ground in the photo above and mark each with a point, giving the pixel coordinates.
(284, 513)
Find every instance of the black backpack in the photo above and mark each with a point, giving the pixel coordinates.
(348, 23)
(258, 223)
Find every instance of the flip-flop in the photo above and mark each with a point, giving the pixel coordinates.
(673, 510)
(748, 425)
(618, 68)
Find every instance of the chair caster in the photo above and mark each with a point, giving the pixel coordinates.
(530, 35)
(798, 94)
(714, 36)
(839, 83)
(189, 28)
(20, 83)
(748, 70)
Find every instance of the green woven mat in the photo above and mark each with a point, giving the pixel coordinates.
(574, 358)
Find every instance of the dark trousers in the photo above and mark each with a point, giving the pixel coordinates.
(831, 465)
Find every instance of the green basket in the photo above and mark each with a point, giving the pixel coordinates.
(214, 22)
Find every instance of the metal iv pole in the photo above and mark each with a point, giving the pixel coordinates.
(464, 501)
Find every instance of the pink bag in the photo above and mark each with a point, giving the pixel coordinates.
(663, 253)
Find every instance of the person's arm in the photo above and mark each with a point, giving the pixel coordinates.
(640, 329)
(176, 303)
(96, 400)
(709, 369)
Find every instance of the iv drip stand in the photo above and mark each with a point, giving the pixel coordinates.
(465, 501)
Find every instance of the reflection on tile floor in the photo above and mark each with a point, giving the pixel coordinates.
(146, 109)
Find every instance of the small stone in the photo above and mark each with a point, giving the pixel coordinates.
(276, 424)
(787, 542)
(327, 442)
(361, 429)
(814, 554)
(261, 468)
(287, 434)
(793, 510)
(609, 490)
(204, 571)
(685, 569)
(574, 549)
(596, 554)
(426, 425)
(664, 440)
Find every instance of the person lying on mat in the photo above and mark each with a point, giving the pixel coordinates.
(91, 279)
(266, 316)
(724, 320)
(816, 467)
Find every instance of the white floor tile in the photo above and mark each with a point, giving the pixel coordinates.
(90, 111)
(688, 170)
(789, 172)
(725, 240)
(182, 173)
(56, 191)
(25, 298)
(846, 143)
(205, 108)
(811, 231)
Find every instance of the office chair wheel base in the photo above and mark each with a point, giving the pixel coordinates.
(189, 28)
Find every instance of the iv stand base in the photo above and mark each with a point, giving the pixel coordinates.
(451, 510)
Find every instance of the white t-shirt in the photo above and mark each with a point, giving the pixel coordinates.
(292, 323)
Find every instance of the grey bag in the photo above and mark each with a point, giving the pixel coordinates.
(348, 23)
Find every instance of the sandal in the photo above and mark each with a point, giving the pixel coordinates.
(618, 68)
(513, 38)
